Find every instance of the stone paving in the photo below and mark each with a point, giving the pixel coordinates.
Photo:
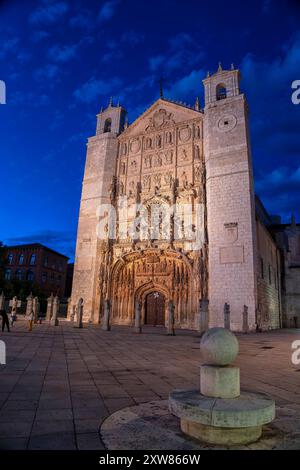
(60, 383)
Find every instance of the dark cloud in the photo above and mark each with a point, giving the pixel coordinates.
(94, 88)
(107, 11)
(48, 13)
(64, 242)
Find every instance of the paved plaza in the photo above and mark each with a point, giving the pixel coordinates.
(60, 383)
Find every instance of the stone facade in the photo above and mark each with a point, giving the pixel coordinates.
(193, 167)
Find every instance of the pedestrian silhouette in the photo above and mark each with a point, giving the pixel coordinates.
(5, 320)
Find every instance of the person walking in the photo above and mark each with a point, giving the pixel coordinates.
(5, 320)
(30, 319)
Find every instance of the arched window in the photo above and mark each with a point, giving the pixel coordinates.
(32, 259)
(10, 258)
(30, 276)
(18, 275)
(221, 92)
(7, 274)
(21, 259)
(107, 125)
(44, 277)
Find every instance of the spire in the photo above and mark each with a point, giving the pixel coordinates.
(111, 102)
(126, 123)
(208, 74)
(197, 104)
(232, 67)
(220, 67)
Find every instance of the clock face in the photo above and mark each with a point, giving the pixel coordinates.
(226, 123)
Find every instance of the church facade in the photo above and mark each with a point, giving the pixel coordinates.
(167, 218)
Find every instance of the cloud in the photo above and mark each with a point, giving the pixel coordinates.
(94, 88)
(8, 46)
(46, 73)
(48, 13)
(107, 11)
(82, 20)
(67, 52)
(37, 36)
(187, 87)
(61, 241)
(285, 183)
(183, 52)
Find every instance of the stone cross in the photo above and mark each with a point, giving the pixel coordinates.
(245, 319)
(227, 316)
(54, 319)
(79, 313)
(137, 317)
(203, 315)
(50, 301)
(106, 316)
(29, 304)
(2, 301)
(171, 319)
(36, 309)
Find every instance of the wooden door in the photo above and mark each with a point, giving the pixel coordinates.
(155, 309)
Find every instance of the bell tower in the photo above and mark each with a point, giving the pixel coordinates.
(100, 167)
(230, 200)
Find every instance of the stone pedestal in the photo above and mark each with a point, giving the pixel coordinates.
(137, 318)
(106, 318)
(220, 413)
(54, 319)
(171, 319)
(49, 312)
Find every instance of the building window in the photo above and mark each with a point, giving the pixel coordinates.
(270, 275)
(60, 267)
(30, 276)
(107, 125)
(7, 275)
(52, 277)
(18, 275)
(46, 261)
(10, 258)
(221, 92)
(21, 259)
(32, 260)
(44, 278)
(261, 268)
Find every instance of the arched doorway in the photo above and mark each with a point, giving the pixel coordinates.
(155, 309)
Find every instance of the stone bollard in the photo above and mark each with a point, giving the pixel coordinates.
(72, 316)
(106, 316)
(29, 304)
(14, 303)
(36, 309)
(220, 413)
(54, 319)
(2, 301)
(227, 316)
(245, 319)
(171, 319)
(78, 322)
(50, 302)
(137, 317)
(203, 316)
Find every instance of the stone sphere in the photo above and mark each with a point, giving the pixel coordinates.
(219, 347)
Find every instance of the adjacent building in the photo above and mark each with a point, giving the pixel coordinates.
(38, 264)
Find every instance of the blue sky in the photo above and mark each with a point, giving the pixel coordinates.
(62, 60)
